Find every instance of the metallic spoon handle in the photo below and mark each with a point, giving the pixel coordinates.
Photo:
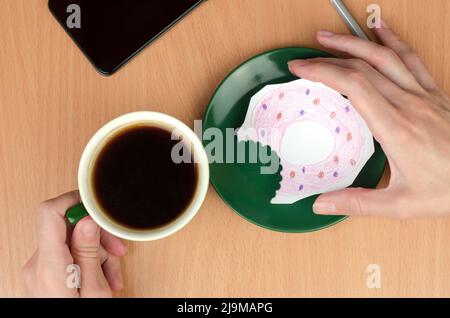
(348, 19)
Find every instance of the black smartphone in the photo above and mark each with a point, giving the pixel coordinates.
(111, 32)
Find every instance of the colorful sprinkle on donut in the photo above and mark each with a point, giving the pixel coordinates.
(349, 136)
(338, 130)
(302, 112)
(321, 175)
(335, 174)
(308, 91)
(347, 109)
(301, 187)
(352, 162)
(279, 115)
(333, 115)
(292, 174)
(336, 159)
(264, 106)
(316, 101)
(281, 96)
(304, 170)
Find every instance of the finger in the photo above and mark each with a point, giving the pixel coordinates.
(372, 106)
(113, 272)
(387, 88)
(381, 58)
(113, 244)
(357, 202)
(407, 55)
(52, 229)
(85, 249)
(111, 269)
(103, 254)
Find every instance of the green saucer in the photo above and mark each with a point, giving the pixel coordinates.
(241, 185)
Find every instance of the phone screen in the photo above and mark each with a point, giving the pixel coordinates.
(111, 32)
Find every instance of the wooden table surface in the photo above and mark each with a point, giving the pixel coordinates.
(52, 100)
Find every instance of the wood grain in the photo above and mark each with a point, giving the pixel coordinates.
(52, 101)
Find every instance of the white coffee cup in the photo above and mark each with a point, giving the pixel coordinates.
(100, 139)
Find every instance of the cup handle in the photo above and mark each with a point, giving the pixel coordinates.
(76, 213)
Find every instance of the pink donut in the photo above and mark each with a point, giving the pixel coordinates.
(322, 142)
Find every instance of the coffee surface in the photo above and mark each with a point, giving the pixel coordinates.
(136, 182)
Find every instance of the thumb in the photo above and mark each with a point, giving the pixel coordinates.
(85, 247)
(356, 201)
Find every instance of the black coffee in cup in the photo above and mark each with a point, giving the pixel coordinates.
(136, 182)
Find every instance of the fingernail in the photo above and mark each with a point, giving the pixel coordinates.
(90, 228)
(325, 33)
(294, 63)
(324, 208)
